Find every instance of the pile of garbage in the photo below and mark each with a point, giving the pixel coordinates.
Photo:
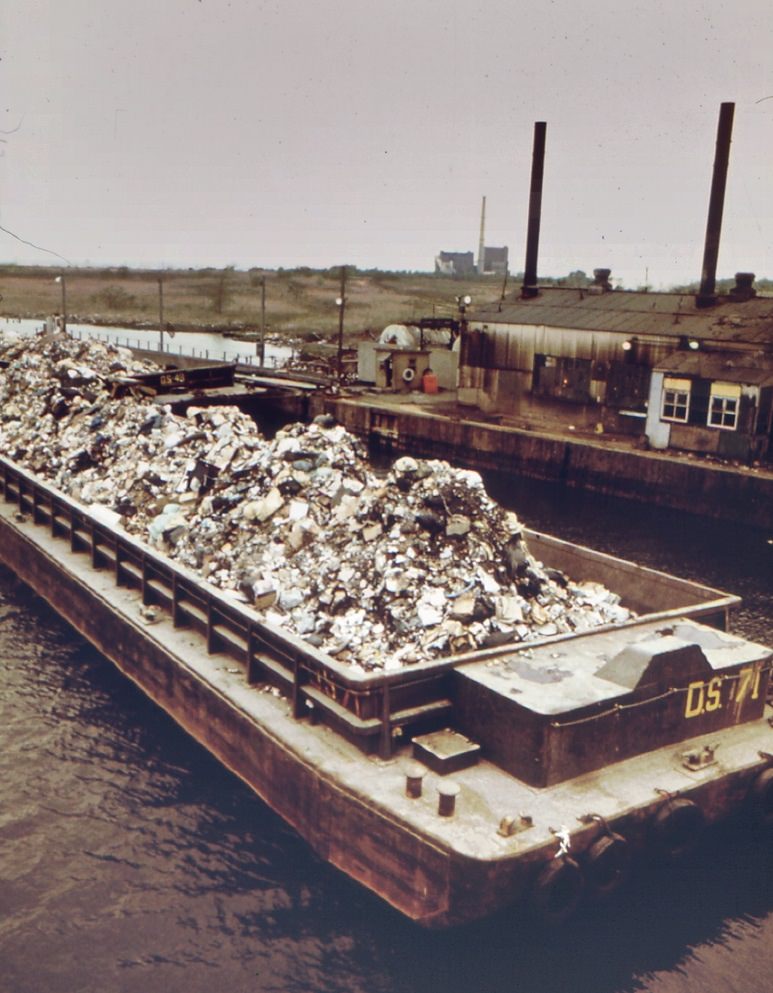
(379, 570)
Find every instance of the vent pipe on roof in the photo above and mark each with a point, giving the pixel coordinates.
(601, 283)
(529, 288)
(744, 287)
(707, 296)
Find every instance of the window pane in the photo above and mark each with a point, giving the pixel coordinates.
(675, 405)
(723, 412)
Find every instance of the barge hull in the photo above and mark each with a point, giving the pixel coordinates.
(168, 664)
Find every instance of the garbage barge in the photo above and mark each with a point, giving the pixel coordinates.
(526, 774)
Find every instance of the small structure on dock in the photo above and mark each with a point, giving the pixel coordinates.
(720, 403)
(404, 353)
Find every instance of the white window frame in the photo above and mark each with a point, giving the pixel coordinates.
(680, 392)
(724, 405)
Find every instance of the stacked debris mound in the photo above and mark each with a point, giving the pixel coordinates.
(59, 419)
(49, 382)
(379, 570)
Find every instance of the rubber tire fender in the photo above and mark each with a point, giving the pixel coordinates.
(608, 864)
(558, 890)
(761, 797)
(677, 826)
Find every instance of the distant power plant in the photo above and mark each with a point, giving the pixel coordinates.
(490, 260)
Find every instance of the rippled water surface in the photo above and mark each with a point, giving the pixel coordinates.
(131, 861)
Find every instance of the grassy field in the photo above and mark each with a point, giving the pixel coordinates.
(299, 302)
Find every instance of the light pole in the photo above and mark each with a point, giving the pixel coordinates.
(161, 313)
(341, 304)
(262, 350)
(61, 280)
(463, 302)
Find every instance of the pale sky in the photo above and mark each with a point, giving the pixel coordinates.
(292, 132)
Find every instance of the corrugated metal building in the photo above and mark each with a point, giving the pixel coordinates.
(595, 348)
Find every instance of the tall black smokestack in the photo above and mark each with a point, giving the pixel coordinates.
(529, 288)
(706, 295)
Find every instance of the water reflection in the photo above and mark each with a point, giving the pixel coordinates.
(198, 344)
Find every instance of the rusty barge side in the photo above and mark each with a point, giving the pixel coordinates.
(328, 754)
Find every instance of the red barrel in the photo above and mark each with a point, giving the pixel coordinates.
(429, 382)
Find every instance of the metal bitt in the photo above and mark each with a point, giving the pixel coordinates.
(706, 296)
(447, 794)
(414, 778)
(529, 288)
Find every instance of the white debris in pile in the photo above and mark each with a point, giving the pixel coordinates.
(379, 571)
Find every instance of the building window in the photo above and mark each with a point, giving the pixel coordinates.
(723, 412)
(676, 400)
(723, 406)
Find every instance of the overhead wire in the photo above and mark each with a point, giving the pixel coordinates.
(31, 244)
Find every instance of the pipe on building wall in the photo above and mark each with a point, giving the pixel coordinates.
(529, 288)
(707, 296)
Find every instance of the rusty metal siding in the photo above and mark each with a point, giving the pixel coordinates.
(514, 347)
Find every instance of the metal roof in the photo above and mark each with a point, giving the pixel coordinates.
(721, 368)
(672, 315)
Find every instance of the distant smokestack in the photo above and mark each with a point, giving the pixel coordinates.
(482, 242)
(706, 295)
(529, 288)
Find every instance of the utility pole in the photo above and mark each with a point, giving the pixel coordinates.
(61, 280)
(262, 352)
(161, 312)
(341, 301)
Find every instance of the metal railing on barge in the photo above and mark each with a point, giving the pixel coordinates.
(370, 708)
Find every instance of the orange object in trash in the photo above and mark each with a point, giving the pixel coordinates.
(429, 382)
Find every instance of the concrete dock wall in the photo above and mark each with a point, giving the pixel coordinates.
(710, 490)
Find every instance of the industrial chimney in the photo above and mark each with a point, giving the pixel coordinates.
(707, 296)
(482, 242)
(529, 288)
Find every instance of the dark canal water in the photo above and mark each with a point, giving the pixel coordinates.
(131, 861)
